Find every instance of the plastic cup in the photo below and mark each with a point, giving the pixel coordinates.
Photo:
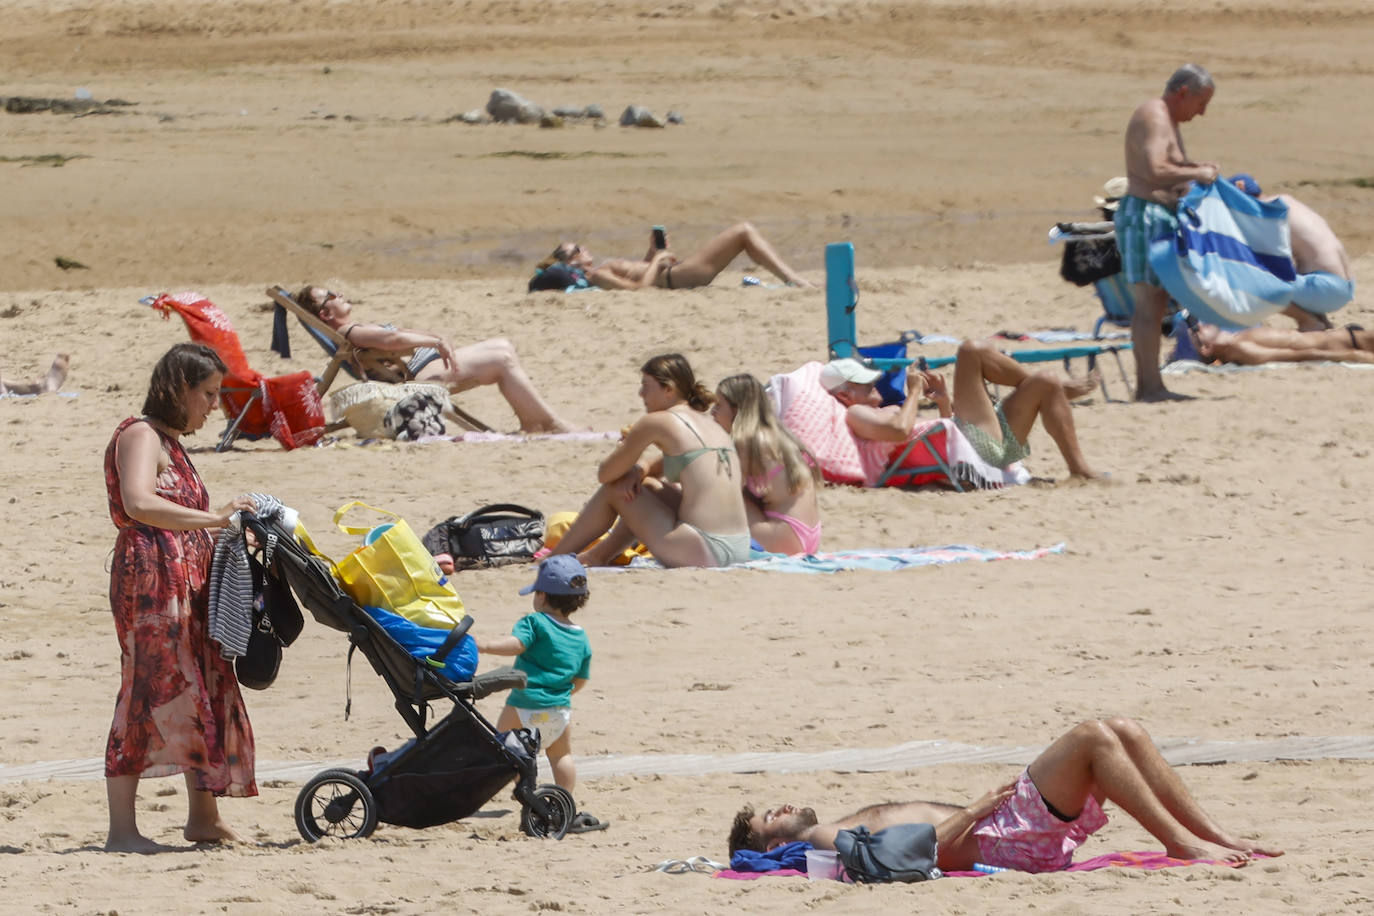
(823, 865)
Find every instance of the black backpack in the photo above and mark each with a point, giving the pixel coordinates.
(903, 852)
(491, 536)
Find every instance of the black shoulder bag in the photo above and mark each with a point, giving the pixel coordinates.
(491, 536)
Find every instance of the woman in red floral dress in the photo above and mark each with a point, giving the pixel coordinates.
(179, 709)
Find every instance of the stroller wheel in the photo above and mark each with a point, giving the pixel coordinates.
(336, 803)
(549, 813)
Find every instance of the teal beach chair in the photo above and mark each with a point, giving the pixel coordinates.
(842, 302)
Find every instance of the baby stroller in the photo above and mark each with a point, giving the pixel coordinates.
(452, 767)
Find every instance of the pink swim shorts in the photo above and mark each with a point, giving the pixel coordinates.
(1024, 835)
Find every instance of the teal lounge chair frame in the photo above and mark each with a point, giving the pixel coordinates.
(842, 301)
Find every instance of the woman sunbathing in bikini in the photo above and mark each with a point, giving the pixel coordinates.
(1252, 346)
(780, 478)
(432, 358)
(663, 269)
(697, 517)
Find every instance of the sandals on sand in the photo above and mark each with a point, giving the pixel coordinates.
(683, 866)
(586, 823)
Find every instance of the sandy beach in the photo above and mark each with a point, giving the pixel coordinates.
(1217, 588)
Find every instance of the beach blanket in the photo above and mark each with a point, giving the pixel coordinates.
(875, 559)
(1143, 861)
(1230, 262)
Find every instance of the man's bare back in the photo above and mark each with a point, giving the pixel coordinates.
(1315, 246)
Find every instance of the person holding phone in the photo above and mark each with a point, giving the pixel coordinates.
(663, 269)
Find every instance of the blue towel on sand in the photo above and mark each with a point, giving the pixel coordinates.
(1230, 262)
(788, 855)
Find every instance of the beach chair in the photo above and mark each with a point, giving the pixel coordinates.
(286, 407)
(360, 363)
(842, 301)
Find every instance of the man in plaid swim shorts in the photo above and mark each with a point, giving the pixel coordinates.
(1158, 172)
(1036, 822)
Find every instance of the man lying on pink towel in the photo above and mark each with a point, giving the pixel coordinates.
(1035, 823)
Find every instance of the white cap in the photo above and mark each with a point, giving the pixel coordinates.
(839, 371)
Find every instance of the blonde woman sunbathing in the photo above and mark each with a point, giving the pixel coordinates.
(780, 478)
(432, 358)
(661, 268)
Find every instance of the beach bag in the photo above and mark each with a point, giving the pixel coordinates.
(490, 536)
(904, 852)
(456, 662)
(394, 571)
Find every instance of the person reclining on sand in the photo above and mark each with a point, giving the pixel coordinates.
(997, 432)
(1318, 255)
(49, 382)
(1034, 823)
(661, 268)
(1253, 346)
(490, 362)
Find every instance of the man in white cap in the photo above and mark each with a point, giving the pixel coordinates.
(998, 432)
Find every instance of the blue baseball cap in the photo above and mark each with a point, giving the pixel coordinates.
(560, 574)
(1247, 183)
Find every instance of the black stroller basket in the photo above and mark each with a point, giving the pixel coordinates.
(452, 767)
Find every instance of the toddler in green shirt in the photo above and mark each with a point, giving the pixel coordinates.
(556, 657)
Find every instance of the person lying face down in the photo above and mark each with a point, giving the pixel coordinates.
(1036, 822)
(997, 431)
(572, 265)
(433, 358)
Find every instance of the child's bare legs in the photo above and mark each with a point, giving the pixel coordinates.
(559, 752)
(203, 822)
(122, 793)
(701, 267)
(561, 761)
(1041, 394)
(494, 362)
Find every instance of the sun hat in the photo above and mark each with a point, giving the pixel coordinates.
(839, 371)
(558, 575)
(1112, 191)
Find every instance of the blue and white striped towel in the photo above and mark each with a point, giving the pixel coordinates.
(1231, 261)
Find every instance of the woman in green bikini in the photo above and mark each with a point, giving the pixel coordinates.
(686, 507)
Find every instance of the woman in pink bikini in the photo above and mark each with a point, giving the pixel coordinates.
(780, 477)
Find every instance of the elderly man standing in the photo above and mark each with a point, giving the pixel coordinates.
(1158, 172)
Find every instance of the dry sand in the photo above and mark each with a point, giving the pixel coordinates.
(1218, 589)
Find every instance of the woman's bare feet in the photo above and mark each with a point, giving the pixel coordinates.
(214, 832)
(135, 843)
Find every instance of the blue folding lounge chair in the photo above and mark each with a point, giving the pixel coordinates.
(842, 300)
